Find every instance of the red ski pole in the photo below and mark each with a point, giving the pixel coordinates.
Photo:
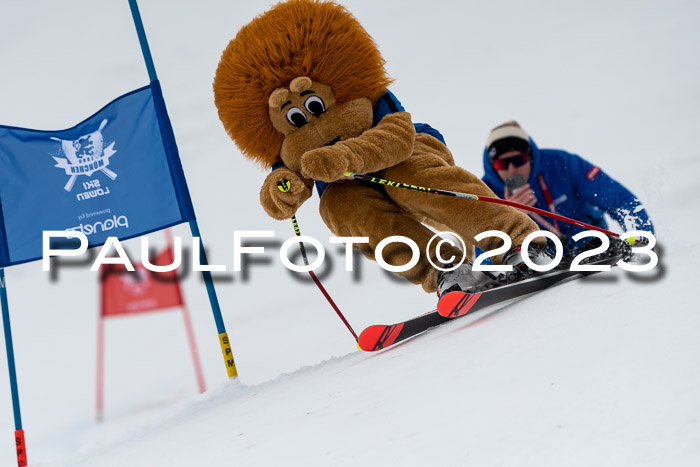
(284, 185)
(488, 199)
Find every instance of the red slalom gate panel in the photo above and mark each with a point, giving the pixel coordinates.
(125, 292)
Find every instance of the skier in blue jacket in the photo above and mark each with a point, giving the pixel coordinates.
(559, 182)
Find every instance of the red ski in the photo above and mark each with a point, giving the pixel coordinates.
(456, 304)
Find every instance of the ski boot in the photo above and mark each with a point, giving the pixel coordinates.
(520, 270)
(464, 279)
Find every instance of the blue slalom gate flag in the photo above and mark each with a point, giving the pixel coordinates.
(116, 174)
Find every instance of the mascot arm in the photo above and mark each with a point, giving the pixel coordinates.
(385, 145)
(282, 205)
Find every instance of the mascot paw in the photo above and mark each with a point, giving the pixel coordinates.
(283, 192)
(327, 164)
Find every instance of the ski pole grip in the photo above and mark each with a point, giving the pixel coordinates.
(284, 185)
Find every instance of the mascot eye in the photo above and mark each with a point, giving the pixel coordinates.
(296, 117)
(315, 105)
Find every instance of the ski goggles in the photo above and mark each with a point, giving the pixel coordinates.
(517, 161)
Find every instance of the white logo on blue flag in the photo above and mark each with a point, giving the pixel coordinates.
(85, 155)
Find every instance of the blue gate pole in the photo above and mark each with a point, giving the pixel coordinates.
(194, 228)
(19, 433)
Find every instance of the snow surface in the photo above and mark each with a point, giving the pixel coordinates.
(602, 371)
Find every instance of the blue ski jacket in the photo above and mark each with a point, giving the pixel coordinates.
(579, 190)
(386, 104)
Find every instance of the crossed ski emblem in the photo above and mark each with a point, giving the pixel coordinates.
(85, 155)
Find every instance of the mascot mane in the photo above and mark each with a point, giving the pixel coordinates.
(321, 40)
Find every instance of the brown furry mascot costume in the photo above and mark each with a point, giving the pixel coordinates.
(297, 90)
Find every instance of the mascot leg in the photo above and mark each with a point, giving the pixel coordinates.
(354, 209)
(429, 166)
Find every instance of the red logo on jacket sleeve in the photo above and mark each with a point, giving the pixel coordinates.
(593, 173)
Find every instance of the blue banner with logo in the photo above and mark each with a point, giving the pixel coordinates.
(116, 174)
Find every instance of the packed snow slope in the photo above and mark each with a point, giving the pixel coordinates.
(602, 371)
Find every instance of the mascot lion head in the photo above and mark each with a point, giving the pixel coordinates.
(298, 47)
